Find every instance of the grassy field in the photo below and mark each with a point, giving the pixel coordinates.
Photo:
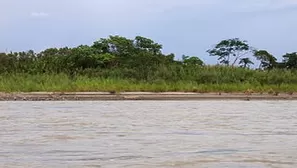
(63, 83)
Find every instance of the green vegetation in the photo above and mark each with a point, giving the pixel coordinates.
(121, 64)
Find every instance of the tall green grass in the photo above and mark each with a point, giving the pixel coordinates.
(199, 79)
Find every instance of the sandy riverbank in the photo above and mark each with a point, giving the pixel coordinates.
(81, 96)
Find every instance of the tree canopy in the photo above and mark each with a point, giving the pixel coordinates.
(267, 61)
(290, 60)
(134, 58)
(228, 49)
(245, 62)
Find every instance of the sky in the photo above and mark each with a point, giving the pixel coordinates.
(187, 27)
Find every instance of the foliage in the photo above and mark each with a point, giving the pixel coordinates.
(230, 48)
(267, 60)
(290, 60)
(245, 62)
(203, 79)
(187, 60)
(139, 65)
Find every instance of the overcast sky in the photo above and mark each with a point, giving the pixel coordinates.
(187, 27)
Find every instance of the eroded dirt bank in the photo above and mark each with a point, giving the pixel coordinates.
(63, 96)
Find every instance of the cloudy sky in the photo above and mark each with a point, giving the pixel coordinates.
(183, 26)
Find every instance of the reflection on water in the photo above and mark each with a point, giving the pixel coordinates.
(142, 134)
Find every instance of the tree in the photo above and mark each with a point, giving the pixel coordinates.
(148, 45)
(131, 52)
(290, 60)
(187, 60)
(4, 62)
(245, 62)
(230, 48)
(268, 61)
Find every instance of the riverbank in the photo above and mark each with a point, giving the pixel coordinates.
(24, 82)
(101, 96)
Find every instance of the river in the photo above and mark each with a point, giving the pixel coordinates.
(145, 134)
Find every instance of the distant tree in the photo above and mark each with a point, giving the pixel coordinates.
(131, 53)
(267, 60)
(227, 49)
(290, 60)
(245, 62)
(148, 45)
(4, 62)
(187, 60)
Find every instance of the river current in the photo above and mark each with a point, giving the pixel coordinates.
(145, 134)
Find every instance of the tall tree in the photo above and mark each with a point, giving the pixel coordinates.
(268, 61)
(229, 48)
(245, 62)
(290, 60)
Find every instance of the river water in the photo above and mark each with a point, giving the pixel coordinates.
(146, 134)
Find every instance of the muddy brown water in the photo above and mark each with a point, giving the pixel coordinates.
(145, 134)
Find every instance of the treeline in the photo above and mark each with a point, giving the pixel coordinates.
(131, 57)
(235, 50)
(141, 59)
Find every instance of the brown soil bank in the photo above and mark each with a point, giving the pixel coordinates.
(94, 96)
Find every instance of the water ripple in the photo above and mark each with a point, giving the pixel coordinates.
(142, 134)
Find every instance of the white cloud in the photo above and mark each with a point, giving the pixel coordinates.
(39, 14)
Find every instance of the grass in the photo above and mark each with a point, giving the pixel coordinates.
(63, 83)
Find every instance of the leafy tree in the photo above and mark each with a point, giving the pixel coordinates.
(290, 60)
(101, 46)
(127, 51)
(227, 49)
(169, 59)
(120, 46)
(245, 62)
(4, 62)
(54, 60)
(148, 45)
(268, 61)
(187, 60)
(84, 57)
